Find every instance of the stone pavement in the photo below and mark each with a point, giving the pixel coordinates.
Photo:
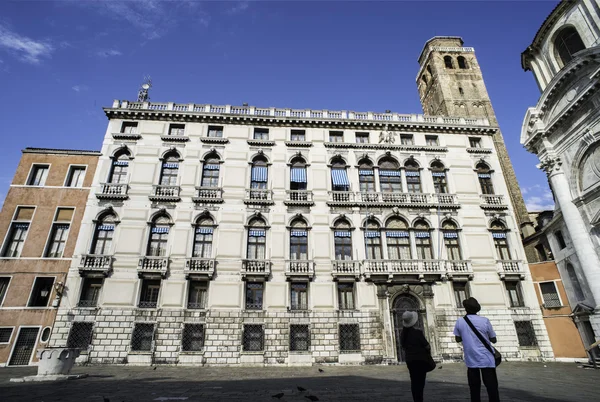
(546, 382)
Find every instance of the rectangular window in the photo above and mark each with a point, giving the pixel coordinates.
(525, 333)
(38, 175)
(513, 291)
(58, 239)
(75, 176)
(413, 181)
(336, 136)
(398, 245)
(373, 245)
(157, 243)
(215, 131)
(550, 295)
(203, 238)
(349, 338)
(406, 139)
(362, 138)
(197, 295)
(461, 292)
(541, 252)
(261, 133)
(560, 239)
(298, 245)
(501, 244)
(452, 246)
(432, 140)
(299, 338)
(4, 281)
(177, 129)
(424, 249)
(299, 296)
(40, 294)
(346, 295)
(298, 135)
(343, 245)
(485, 181)
(142, 337)
(149, 293)
(254, 295)
(90, 292)
(474, 142)
(257, 244)
(16, 239)
(5, 335)
(80, 335)
(192, 337)
(129, 127)
(254, 336)
(439, 183)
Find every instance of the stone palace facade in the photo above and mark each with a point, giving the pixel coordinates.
(245, 235)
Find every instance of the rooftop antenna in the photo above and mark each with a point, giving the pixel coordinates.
(143, 92)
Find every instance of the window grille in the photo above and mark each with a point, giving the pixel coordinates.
(299, 338)
(254, 295)
(254, 337)
(5, 335)
(192, 338)
(80, 336)
(149, 295)
(142, 337)
(90, 292)
(525, 333)
(349, 337)
(550, 295)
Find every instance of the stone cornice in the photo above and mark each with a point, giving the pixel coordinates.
(60, 151)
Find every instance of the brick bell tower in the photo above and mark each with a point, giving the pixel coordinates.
(450, 83)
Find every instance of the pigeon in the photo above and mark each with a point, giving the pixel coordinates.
(155, 367)
(278, 396)
(301, 389)
(312, 397)
(321, 371)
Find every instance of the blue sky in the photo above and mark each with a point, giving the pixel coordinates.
(62, 61)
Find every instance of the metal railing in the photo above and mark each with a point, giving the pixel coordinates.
(162, 192)
(113, 190)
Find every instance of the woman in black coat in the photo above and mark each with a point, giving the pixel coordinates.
(417, 354)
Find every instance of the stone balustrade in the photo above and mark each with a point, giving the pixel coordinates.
(256, 267)
(153, 266)
(300, 268)
(200, 266)
(208, 195)
(114, 191)
(349, 198)
(95, 263)
(510, 269)
(165, 193)
(259, 196)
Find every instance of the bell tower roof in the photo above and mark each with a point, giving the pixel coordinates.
(448, 41)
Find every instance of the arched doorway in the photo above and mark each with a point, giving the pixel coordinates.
(402, 303)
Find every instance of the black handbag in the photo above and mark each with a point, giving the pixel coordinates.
(493, 351)
(430, 363)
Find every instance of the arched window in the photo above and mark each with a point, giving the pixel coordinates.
(390, 177)
(448, 62)
(119, 168)
(170, 170)
(397, 239)
(438, 172)
(103, 235)
(203, 237)
(210, 172)
(413, 176)
(423, 241)
(339, 175)
(575, 284)
(298, 174)
(451, 241)
(462, 62)
(257, 239)
(373, 240)
(260, 173)
(567, 43)
(484, 175)
(299, 240)
(159, 235)
(342, 238)
(499, 231)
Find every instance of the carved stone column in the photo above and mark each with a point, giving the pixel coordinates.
(430, 315)
(387, 333)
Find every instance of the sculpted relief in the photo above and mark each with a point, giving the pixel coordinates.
(590, 170)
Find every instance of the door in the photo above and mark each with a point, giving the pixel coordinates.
(401, 304)
(24, 347)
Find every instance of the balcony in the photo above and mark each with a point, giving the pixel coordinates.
(95, 264)
(345, 269)
(165, 193)
(341, 198)
(254, 268)
(493, 201)
(510, 269)
(459, 269)
(259, 197)
(113, 191)
(390, 269)
(299, 198)
(200, 267)
(389, 199)
(299, 269)
(153, 267)
(208, 195)
(174, 138)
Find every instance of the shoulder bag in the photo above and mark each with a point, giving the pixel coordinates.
(493, 351)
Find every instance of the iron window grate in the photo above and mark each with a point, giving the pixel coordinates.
(192, 338)
(5, 335)
(254, 338)
(142, 337)
(299, 338)
(525, 333)
(80, 336)
(349, 337)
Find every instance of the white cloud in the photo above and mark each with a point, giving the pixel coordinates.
(26, 49)
(538, 198)
(239, 7)
(79, 88)
(108, 53)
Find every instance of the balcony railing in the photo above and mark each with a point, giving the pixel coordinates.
(445, 199)
(391, 268)
(208, 195)
(341, 197)
(252, 267)
(87, 303)
(153, 266)
(510, 269)
(369, 198)
(165, 193)
(345, 268)
(113, 191)
(493, 201)
(258, 196)
(459, 269)
(200, 266)
(298, 197)
(95, 263)
(299, 268)
(147, 304)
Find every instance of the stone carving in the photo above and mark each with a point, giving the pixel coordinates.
(550, 164)
(387, 136)
(590, 170)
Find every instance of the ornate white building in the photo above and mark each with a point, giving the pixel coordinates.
(246, 235)
(563, 131)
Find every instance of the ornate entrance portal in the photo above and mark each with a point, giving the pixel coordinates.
(402, 303)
